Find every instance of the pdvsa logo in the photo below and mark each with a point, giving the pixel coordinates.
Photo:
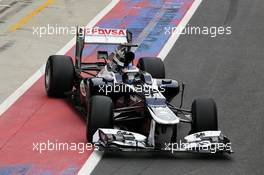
(105, 31)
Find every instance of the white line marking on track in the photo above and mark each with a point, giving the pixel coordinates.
(21, 90)
(91, 163)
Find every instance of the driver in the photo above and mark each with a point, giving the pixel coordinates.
(130, 72)
(123, 63)
(122, 60)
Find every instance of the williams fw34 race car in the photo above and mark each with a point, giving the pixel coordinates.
(127, 106)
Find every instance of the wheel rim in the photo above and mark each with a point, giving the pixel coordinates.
(47, 76)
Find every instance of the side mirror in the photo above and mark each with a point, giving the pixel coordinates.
(102, 55)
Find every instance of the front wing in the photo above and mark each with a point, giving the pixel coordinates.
(201, 142)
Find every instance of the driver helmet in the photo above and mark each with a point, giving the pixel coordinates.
(123, 59)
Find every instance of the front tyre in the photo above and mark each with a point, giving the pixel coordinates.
(204, 115)
(59, 75)
(99, 115)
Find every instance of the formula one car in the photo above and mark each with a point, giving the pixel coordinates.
(127, 105)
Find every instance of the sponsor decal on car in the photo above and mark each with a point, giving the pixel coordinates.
(105, 31)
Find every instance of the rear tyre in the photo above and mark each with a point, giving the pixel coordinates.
(99, 115)
(152, 65)
(204, 115)
(59, 75)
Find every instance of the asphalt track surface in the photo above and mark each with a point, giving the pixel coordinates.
(226, 68)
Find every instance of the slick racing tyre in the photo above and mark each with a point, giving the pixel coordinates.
(204, 115)
(99, 115)
(152, 65)
(59, 75)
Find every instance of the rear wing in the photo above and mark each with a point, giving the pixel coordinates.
(99, 36)
(106, 36)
